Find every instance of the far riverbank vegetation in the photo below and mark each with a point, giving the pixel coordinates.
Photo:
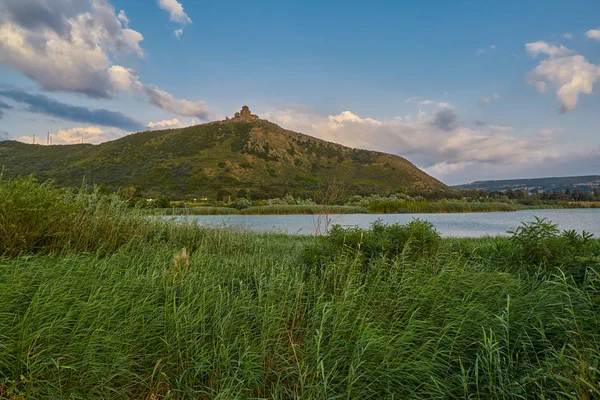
(463, 202)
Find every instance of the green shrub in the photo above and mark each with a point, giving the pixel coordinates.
(161, 202)
(242, 204)
(417, 239)
(541, 245)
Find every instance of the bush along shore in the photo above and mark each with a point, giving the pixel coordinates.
(98, 301)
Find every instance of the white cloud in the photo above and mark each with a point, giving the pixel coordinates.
(486, 49)
(437, 141)
(77, 135)
(566, 164)
(103, 26)
(549, 134)
(347, 116)
(123, 18)
(444, 168)
(175, 10)
(72, 45)
(537, 48)
(167, 102)
(176, 13)
(72, 56)
(567, 35)
(126, 80)
(489, 99)
(166, 124)
(441, 104)
(174, 123)
(500, 128)
(132, 39)
(93, 135)
(571, 76)
(593, 34)
(123, 79)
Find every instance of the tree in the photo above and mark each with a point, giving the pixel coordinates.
(162, 202)
(331, 194)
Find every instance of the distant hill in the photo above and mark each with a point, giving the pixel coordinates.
(243, 156)
(583, 183)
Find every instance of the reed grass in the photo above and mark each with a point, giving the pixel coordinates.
(173, 311)
(405, 207)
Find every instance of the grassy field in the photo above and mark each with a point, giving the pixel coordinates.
(99, 301)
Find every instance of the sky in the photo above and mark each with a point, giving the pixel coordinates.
(466, 90)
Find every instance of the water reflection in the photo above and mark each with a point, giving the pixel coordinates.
(457, 225)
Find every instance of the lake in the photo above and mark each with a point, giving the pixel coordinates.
(455, 225)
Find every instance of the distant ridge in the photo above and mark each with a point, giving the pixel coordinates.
(241, 156)
(584, 183)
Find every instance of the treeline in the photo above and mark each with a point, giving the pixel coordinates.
(537, 197)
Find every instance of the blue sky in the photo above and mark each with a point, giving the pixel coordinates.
(465, 89)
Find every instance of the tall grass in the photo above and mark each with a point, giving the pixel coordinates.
(403, 207)
(38, 217)
(395, 312)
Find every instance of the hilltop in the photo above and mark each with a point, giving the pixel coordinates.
(242, 156)
(583, 183)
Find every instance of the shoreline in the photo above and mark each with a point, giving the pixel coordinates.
(344, 210)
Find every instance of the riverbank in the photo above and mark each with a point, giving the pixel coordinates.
(380, 208)
(262, 210)
(100, 301)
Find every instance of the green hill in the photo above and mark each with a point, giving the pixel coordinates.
(238, 157)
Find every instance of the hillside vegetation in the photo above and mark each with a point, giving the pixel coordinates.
(225, 159)
(99, 301)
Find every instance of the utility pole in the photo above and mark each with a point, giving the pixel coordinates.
(33, 139)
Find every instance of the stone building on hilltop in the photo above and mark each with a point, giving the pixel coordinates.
(245, 115)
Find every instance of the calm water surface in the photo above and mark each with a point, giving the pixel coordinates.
(458, 225)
